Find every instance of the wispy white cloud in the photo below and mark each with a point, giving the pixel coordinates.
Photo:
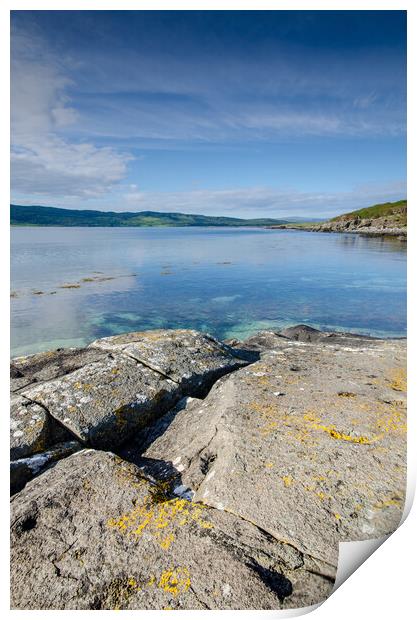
(261, 201)
(248, 202)
(75, 114)
(42, 160)
(58, 168)
(232, 123)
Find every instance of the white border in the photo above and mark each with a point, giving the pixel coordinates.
(384, 585)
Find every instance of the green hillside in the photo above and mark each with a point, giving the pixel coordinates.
(393, 211)
(51, 216)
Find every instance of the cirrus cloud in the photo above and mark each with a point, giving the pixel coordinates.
(262, 201)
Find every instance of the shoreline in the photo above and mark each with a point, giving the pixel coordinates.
(230, 340)
(400, 234)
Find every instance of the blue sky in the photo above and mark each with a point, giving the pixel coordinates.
(275, 113)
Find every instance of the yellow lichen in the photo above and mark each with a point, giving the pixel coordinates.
(288, 480)
(315, 423)
(388, 416)
(127, 474)
(268, 414)
(166, 542)
(157, 518)
(267, 429)
(175, 581)
(392, 421)
(83, 386)
(385, 503)
(132, 582)
(398, 380)
(263, 380)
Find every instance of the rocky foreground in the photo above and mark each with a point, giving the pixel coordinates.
(167, 470)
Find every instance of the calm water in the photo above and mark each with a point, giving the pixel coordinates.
(229, 282)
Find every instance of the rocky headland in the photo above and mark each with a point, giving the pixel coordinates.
(168, 470)
(388, 219)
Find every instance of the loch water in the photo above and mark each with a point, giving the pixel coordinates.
(73, 285)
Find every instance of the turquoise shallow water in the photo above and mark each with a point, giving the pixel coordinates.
(229, 282)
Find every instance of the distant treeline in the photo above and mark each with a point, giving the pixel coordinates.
(52, 216)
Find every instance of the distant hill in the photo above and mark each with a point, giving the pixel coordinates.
(51, 216)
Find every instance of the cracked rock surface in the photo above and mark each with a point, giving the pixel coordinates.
(187, 357)
(32, 430)
(23, 470)
(104, 393)
(309, 443)
(234, 497)
(93, 533)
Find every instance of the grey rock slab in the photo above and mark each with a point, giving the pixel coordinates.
(23, 470)
(28, 427)
(262, 341)
(134, 448)
(106, 401)
(92, 533)
(192, 359)
(305, 333)
(309, 444)
(31, 428)
(48, 365)
(268, 340)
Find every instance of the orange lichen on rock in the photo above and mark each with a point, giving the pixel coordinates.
(315, 423)
(398, 380)
(268, 414)
(175, 580)
(160, 519)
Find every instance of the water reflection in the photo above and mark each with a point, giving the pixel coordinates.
(230, 282)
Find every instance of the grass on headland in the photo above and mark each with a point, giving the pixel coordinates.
(397, 211)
